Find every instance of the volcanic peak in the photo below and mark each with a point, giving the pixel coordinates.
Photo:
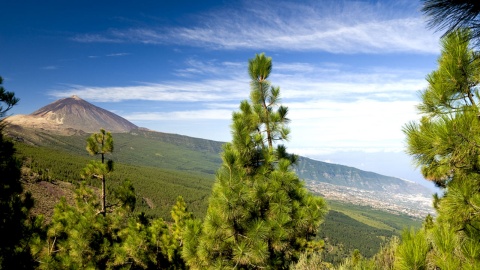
(74, 113)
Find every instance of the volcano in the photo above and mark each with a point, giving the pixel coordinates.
(73, 113)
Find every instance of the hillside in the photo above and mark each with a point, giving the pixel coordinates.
(346, 227)
(142, 147)
(348, 184)
(354, 178)
(186, 154)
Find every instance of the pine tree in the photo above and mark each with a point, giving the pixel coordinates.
(100, 144)
(260, 215)
(445, 144)
(8, 98)
(181, 216)
(412, 252)
(78, 237)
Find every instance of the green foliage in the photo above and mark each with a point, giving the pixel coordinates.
(412, 251)
(373, 232)
(79, 237)
(77, 234)
(311, 261)
(13, 208)
(385, 258)
(99, 144)
(271, 125)
(125, 194)
(445, 144)
(142, 148)
(162, 186)
(181, 217)
(259, 215)
(95, 169)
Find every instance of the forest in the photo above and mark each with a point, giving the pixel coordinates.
(257, 213)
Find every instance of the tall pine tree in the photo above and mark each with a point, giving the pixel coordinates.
(260, 215)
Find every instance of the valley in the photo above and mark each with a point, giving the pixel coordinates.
(162, 166)
(202, 157)
(50, 174)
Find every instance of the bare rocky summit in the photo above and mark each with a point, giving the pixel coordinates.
(73, 113)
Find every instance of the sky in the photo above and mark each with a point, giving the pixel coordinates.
(349, 71)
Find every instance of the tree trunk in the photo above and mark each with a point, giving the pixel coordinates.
(103, 196)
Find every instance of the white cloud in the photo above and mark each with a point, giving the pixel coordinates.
(228, 81)
(117, 54)
(211, 68)
(49, 67)
(216, 114)
(91, 38)
(330, 26)
(178, 91)
(321, 126)
(332, 107)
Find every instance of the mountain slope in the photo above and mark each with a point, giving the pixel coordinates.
(136, 146)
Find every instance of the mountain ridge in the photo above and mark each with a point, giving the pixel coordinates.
(312, 169)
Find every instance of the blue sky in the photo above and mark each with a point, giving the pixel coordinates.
(349, 71)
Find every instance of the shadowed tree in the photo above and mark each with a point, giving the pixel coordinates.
(451, 15)
(14, 208)
(7, 99)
